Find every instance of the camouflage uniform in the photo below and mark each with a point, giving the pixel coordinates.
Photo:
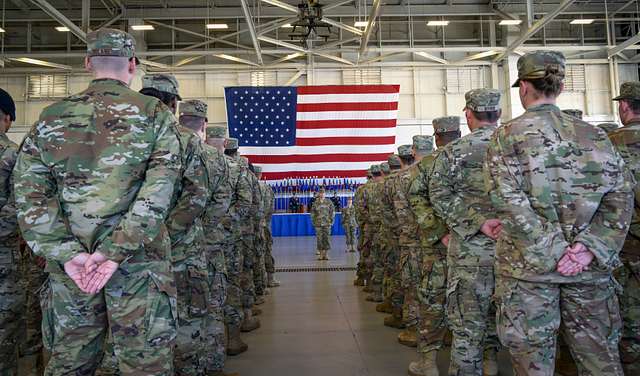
(96, 173)
(627, 141)
(259, 272)
(458, 195)
(555, 181)
(364, 239)
(268, 199)
(608, 127)
(350, 225)
(374, 207)
(322, 216)
(574, 112)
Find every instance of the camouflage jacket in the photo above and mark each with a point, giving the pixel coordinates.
(374, 206)
(409, 235)
(190, 196)
(245, 195)
(627, 141)
(97, 173)
(459, 197)
(268, 198)
(218, 214)
(322, 213)
(8, 217)
(360, 204)
(556, 180)
(390, 224)
(258, 205)
(349, 217)
(431, 227)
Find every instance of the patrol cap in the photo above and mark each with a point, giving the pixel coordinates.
(7, 105)
(193, 107)
(385, 168)
(533, 65)
(394, 162)
(216, 132)
(375, 170)
(423, 143)
(162, 82)
(608, 127)
(482, 100)
(321, 190)
(232, 144)
(446, 124)
(257, 169)
(405, 150)
(111, 42)
(574, 112)
(629, 90)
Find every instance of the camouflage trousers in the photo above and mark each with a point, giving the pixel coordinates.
(363, 270)
(234, 261)
(192, 283)
(350, 234)
(269, 262)
(259, 268)
(432, 290)
(216, 353)
(393, 277)
(11, 311)
(35, 278)
(246, 278)
(471, 315)
(378, 252)
(529, 317)
(410, 265)
(323, 238)
(137, 306)
(629, 276)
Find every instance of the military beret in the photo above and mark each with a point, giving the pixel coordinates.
(257, 169)
(405, 150)
(384, 167)
(446, 124)
(232, 143)
(7, 105)
(533, 65)
(394, 161)
(423, 143)
(111, 42)
(608, 127)
(629, 90)
(483, 100)
(375, 170)
(574, 112)
(216, 132)
(193, 107)
(162, 82)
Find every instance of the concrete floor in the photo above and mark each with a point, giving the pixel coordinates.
(318, 324)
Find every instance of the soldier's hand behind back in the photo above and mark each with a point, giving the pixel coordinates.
(491, 228)
(101, 270)
(76, 271)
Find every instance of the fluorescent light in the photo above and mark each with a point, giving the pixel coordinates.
(28, 60)
(142, 27)
(582, 21)
(361, 24)
(510, 22)
(216, 26)
(63, 29)
(437, 23)
(287, 26)
(1, 30)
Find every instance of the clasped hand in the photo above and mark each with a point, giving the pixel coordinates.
(90, 272)
(575, 260)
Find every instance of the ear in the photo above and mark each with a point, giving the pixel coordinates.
(87, 64)
(132, 66)
(562, 86)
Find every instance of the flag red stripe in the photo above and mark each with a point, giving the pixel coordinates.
(349, 89)
(324, 124)
(362, 106)
(316, 158)
(320, 141)
(311, 174)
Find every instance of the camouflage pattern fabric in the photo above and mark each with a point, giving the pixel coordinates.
(533, 65)
(378, 241)
(350, 225)
(97, 173)
(268, 198)
(259, 272)
(34, 279)
(364, 240)
(582, 194)
(322, 217)
(246, 239)
(391, 229)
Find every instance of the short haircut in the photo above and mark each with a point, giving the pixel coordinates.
(110, 63)
(634, 104)
(230, 152)
(407, 159)
(487, 116)
(166, 98)
(195, 123)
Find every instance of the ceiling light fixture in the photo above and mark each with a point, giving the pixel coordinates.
(28, 60)
(63, 29)
(2, 30)
(142, 27)
(510, 22)
(438, 23)
(582, 21)
(361, 24)
(287, 26)
(217, 26)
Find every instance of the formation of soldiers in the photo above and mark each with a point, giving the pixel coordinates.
(522, 236)
(148, 235)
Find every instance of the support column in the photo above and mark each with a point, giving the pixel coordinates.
(141, 45)
(512, 106)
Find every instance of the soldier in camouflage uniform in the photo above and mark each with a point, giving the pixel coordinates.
(574, 112)
(11, 293)
(627, 141)
(322, 217)
(432, 288)
(350, 225)
(259, 249)
(374, 212)
(565, 201)
(458, 195)
(94, 188)
(608, 127)
(268, 199)
(364, 238)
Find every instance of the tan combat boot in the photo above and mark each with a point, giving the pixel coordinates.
(271, 281)
(255, 311)
(325, 255)
(425, 366)
(376, 294)
(250, 323)
(395, 320)
(235, 345)
(259, 300)
(409, 337)
(385, 307)
(358, 282)
(490, 362)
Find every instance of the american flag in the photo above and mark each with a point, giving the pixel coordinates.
(314, 131)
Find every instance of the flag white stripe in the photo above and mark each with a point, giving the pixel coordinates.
(320, 166)
(347, 115)
(347, 98)
(311, 150)
(346, 132)
(351, 180)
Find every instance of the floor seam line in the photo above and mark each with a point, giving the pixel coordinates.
(353, 334)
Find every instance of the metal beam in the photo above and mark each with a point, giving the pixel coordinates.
(294, 78)
(432, 57)
(21, 4)
(328, 7)
(86, 15)
(480, 55)
(282, 5)
(154, 64)
(623, 46)
(337, 43)
(281, 43)
(236, 59)
(373, 14)
(211, 39)
(530, 14)
(187, 60)
(56, 15)
(335, 58)
(252, 30)
(275, 26)
(379, 58)
(287, 58)
(535, 28)
(625, 6)
(341, 25)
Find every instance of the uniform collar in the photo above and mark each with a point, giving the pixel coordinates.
(543, 107)
(108, 81)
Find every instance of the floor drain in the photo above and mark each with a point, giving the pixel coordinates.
(313, 268)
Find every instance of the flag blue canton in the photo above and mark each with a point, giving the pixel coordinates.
(262, 116)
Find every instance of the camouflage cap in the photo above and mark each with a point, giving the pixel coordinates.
(608, 127)
(375, 170)
(394, 161)
(446, 124)
(257, 169)
(111, 42)
(193, 107)
(574, 112)
(629, 90)
(162, 82)
(216, 132)
(482, 100)
(232, 143)
(423, 143)
(405, 150)
(385, 168)
(533, 65)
